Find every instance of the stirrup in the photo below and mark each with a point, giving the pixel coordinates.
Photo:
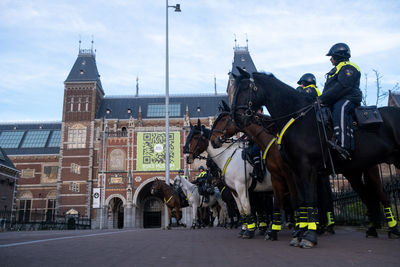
(342, 152)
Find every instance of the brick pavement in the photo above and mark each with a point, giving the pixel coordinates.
(184, 247)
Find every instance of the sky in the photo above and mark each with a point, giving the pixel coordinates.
(39, 43)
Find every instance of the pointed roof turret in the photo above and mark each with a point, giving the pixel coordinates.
(85, 68)
(241, 59)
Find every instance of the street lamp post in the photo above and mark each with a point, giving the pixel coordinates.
(177, 9)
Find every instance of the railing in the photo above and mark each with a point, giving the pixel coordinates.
(117, 134)
(39, 221)
(349, 209)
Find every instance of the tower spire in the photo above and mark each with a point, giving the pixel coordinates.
(80, 41)
(92, 44)
(215, 85)
(137, 86)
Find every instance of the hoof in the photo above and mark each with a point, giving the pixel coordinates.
(330, 230)
(248, 234)
(306, 243)
(241, 233)
(394, 232)
(371, 232)
(271, 235)
(295, 242)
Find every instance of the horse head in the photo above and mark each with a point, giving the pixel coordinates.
(156, 186)
(223, 128)
(246, 100)
(196, 142)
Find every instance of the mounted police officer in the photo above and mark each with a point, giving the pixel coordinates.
(308, 84)
(201, 181)
(342, 94)
(178, 188)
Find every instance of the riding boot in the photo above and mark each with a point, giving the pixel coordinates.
(257, 170)
(341, 151)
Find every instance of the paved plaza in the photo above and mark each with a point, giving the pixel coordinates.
(184, 247)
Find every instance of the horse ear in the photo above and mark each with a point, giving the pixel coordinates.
(198, 123)
(225, 106)
(243, 72)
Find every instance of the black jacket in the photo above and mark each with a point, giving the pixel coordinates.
(342, 85)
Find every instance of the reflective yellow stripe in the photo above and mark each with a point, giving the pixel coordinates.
(284, 130)
(330, 218)
(251, 226)
(262, 224)
(312, 226)
(226, 165)
(390, 217)
(167, 200)
(303, 224)
(268, 147)
(223, 189)
(313, 86)
(342, 64)
(276, 227)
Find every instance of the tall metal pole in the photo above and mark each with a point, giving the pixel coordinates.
(166, 97)
(103, 181)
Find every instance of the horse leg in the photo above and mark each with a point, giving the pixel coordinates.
(374, 186)
(373, 208)
(170, 217)
(325, 205)
(278, 185)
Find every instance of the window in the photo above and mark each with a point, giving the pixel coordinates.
(24, 210)
(158, 110)
(77, 136)
(75, 168)
(55, 139)
(74, 187)
(51, 210)
(35, 139)
(72, 104)
(79, 103)
(11, 139)
(87, 104)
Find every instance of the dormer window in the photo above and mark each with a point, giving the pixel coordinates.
(129, 111)
(84, 62)
(81, 72)
(108, 111)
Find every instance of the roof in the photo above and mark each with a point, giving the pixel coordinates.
(32, 138)
(243, 60)
(118, 106)
(395, 97)
(5, 161)
(85, 68)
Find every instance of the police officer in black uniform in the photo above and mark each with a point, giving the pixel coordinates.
(308, 85)
(342, 94)
(200, 181)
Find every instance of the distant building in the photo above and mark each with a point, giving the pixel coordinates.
(8, 180)
(103, 142)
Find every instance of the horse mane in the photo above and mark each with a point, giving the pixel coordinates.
(268, 79)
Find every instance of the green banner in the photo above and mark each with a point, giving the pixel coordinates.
(151, 151)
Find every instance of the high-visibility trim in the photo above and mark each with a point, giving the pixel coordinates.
(276, 227)
(222, 190)
(284, 130)
(342, 64)
(268, 147)
(226, 165)
(390, 217)
(262, 224)
(166, 201)
(251, 226)
(303, 225)
(329, 215)
(312, 226)
(315, 88)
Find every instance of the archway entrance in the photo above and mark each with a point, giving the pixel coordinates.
(152, 213)
(117, 213)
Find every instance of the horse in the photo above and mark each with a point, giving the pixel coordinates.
(226, 193)
(281, 177)
(235, 171)
(171, 199)
(197, 201)
(306, 152)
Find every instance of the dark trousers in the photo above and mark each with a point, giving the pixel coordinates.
(342, 123)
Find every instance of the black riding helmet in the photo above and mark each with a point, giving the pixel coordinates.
(181, 171)
(340, 51)
(201, 168)
(307, 79)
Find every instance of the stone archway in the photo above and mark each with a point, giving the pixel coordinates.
(115, 211)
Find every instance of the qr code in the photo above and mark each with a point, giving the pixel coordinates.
(150, 140)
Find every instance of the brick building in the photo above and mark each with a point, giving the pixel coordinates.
(99, 162)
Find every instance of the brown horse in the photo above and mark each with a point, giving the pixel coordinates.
(171, 199)
(281, 178)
